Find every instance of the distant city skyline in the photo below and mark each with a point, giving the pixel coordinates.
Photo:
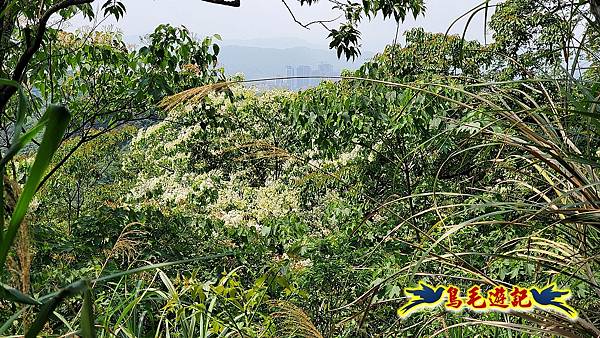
(298, 83)
(261, 62)
(268, 19)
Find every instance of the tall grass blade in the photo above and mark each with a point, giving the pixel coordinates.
(87, 315)
(10, 321)
(14, 295)
(51, 305)
(58, 118)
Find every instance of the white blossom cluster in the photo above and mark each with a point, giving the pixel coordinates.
(343, 160)
(239, 205)
(162, 156)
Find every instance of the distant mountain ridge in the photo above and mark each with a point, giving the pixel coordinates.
(281, 42)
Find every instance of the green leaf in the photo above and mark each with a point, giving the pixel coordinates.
(87, 315)
(21, 109)
(48, 308)
(14, 295)
(8, 82)
(23, 141)
(165, 279)
(20, 120)
(58, 118)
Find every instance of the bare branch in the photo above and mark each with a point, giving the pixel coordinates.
(321, 22)
(232, 3)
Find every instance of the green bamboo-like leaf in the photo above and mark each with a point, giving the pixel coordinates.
(51, 305)
(8, 7)
(64, 321)
(8, 82)
(165, 279)
(58, 118)
(17, 144)
(87, 315)
(14, 295)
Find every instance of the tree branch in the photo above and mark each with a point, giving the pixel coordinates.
(6, 92)
(232, 3)
(306, 25)
(39, 36)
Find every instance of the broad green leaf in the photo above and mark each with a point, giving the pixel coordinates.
(20, 120)
(8, 82)
(165, 279)
(51, 305)
(23, 141)
(87, 315)
(58, 118)
(14, 295)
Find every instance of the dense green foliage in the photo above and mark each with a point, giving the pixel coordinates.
(180, 204)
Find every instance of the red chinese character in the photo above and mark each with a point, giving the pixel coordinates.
(475, 300)
(454, 302)
(520, 298)
(497, 297)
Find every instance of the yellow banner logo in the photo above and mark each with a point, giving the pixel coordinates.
(497, 299)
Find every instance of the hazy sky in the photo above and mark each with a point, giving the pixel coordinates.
(267, 19)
